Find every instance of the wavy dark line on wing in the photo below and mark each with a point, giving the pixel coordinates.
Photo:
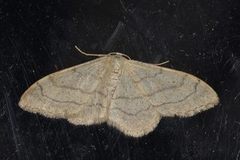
(54, 100)
(75, 88)
(155, 92)
(181, 100)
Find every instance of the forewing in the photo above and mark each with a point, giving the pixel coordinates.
(76, 94)
(172, 92)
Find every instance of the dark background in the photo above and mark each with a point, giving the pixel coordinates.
(198, 37)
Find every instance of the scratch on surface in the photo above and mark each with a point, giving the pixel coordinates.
(21, 152)
(12, 121)
(114, 36)
(238, 153)
(237, 96)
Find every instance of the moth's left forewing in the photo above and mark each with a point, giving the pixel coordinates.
(172, 92)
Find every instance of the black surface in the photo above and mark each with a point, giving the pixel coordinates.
(198, 37)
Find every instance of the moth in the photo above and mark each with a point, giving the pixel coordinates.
(129, 95)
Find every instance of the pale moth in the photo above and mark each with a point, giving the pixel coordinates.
(129, 95)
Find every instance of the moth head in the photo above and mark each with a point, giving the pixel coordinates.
(118, 54)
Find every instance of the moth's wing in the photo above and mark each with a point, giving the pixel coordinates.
(134, 117)
(172, 92)
(147, 92)
(75, 94)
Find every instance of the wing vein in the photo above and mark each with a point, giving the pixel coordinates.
(75, 88)
(157, 91)
(181, 100)
(54, 100)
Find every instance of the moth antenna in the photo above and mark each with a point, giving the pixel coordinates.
(89, 54)
(160, 64)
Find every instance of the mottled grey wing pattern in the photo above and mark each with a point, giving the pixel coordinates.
(75, 94)
(147, 92)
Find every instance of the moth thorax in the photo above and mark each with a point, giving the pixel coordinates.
(114, 77)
